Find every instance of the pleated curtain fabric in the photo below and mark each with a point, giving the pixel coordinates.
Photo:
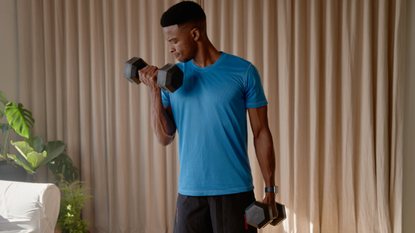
(333, 73)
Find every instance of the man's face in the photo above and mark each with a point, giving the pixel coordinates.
(181, 42)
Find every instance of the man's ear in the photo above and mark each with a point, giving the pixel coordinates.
(195, 34)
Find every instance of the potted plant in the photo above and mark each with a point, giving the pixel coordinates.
(31, 153)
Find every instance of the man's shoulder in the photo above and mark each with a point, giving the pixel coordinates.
(230, 61)
(236, 59)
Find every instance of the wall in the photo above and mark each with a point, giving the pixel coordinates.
(9, 83)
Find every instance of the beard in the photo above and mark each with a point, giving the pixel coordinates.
(188, 53)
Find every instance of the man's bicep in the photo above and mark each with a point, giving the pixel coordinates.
(259, 119)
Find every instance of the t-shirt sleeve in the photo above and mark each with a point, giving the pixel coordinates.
(165, 97)
(254, 92)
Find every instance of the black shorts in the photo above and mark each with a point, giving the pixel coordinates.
(218, 214)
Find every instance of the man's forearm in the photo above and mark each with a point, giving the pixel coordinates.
(264, 149)
(163, 125)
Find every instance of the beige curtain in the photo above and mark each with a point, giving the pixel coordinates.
(333, 76)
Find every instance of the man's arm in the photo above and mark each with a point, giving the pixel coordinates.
(161, 116)
(264, 150)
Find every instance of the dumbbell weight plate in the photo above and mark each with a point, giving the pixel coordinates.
(170, 78)
(281, 214)
(259, 215)
(131, 68)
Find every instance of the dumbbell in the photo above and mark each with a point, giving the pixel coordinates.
(169, 77)
(259, 215)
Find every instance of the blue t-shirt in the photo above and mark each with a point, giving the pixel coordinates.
(209, 110)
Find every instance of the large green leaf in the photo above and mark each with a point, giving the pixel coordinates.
(36, 143)
(20, 119)
(23, 147)
(54, 149)
(33, 158)
(20, 160)
(3, 97)
(62, 167)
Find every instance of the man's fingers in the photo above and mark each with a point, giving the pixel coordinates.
(148, 75)
(276, 214)
(275, 210)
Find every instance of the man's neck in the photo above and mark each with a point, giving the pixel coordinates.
(206, 56)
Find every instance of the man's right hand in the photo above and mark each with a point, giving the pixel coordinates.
(148, 76)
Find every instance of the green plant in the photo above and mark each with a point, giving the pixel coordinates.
(72, 203)
(19, 119)
(32, 153)
(62, 167)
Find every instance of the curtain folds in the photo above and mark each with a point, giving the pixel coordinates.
(332, 72)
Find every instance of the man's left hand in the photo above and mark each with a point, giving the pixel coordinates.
(270, 200)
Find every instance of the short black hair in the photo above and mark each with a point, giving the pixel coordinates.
(181, 13)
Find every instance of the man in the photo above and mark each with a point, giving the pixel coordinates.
(209, 113)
